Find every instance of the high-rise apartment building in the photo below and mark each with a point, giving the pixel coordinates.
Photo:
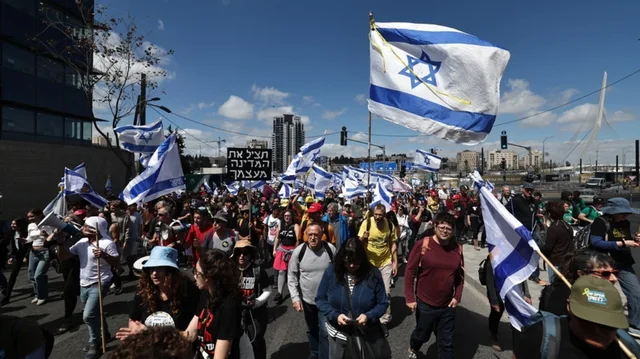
(286, 140)
(532, 159)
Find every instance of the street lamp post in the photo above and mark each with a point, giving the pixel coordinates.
(543, 153)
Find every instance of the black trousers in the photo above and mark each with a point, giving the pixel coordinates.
(475, 227)
(494, 323)
(255, 325)
(70, 269)
(15, 270)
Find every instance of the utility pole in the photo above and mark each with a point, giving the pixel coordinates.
(143, 99)
(220, 142)
(637, 163)
(482, 161)
(616, 175)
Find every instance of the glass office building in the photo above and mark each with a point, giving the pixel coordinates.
(41, 99)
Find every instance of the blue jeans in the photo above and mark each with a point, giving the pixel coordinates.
(551, 274)
(631, 289)
(91, 313)
(316, 331)
(38, 267)
(430, 319)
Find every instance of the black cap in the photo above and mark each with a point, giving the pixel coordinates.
(528, 186)
(597, 201)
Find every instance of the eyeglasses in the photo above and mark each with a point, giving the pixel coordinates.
(197, 273)
(444, 229)
(605, 273)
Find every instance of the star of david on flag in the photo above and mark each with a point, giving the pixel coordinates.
(432, 66)
(426, 161)
(435, 80)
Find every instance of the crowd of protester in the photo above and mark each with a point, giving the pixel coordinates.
(335, 259)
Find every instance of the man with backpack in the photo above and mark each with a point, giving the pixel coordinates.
(381, 244)
(596, 319)
(611, 233)
(314, 215)
(306, 268)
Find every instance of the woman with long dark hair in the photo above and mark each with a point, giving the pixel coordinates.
(559, 242)
(38, 257)
(19, 250)
(164, 296)
(216, 328)
(352, 297)
(283, 246)
(586, 261)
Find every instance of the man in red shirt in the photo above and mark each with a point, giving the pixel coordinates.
(201, 226)
(435, 264)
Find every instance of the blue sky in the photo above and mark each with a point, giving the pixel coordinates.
(237, 62)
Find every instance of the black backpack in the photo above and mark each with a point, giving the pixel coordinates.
(582, 238)
(325, 245)
(482, 271)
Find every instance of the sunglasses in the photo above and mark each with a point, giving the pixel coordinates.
(244, 252)
(605, 273)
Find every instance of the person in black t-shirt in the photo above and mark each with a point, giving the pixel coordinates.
(611, 233)
(595, 315)
(254, 284)
(164, 298)
(217, 325)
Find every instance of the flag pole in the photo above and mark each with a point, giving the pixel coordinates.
(371, 28)
(624, 348)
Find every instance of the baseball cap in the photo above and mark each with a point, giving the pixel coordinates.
(316, 207)
(528, 186)
(596, 300)
(309, 199)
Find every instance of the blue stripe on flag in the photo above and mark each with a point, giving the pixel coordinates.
(512, 311)
(137, 148)
(516, 260)
(138, 128)
(418, 37)
(471, 121)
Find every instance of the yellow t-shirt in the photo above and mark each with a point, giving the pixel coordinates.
(379, 243)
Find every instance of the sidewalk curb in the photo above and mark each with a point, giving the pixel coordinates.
(474, 283)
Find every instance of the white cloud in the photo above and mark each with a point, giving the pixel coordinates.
(586, 112)
(309, 100)
(541, 120)
(203, 105)
(361, 99)
(334, 149)
(360, 136)
(621, 116)
(306, 121)
(519, 99)
(269, 95)
(160, 24)
(267, 114)
(236, 108)
(566, 95)
(330, 115)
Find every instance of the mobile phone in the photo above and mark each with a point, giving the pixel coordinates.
(352, 322)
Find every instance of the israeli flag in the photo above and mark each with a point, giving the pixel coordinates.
(144, 159)
(310, 181)
(163, 175)
(352, 189)
(386, 180)
(512, 252)
(57, 206)
(400, 186)
(257, 185)
(436, 80)
(81, 170)
(427, 161)
(285, 191)
(381, 196)
(107, 186)
(322, 181)
(336, 181)
(207, 187)
(75, 183)
(234, 188)
(141, 139)
(304, 160)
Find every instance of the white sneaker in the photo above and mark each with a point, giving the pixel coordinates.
(41, 301)
(35, 300)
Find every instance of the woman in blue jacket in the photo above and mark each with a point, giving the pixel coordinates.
(352, 271)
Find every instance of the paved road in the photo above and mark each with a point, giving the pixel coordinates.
(286, 336)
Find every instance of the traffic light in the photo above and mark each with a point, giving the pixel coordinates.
(503, 164)
(503, 140)
(443, 163)
(343, 136)
(403, 171)
(433, 151)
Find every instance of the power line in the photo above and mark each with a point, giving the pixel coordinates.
(239, 133)
(183, 130)
(537, 113)
(576, 146)
(569, 102)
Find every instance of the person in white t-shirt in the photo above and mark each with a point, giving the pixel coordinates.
(96, 245)
(273, 224)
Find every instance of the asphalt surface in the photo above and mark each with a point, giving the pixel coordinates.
(286, 334)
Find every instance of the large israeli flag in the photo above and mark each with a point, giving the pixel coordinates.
(427, 161)
(381, 196)
(75, 183)
(141, 139)
(322, 179)
(304, 160)
(57, 206)
(352, 189)
(163, 175)
(285, 191)
(234, 187)
(512, 252)
(384, 179)
(436, 80)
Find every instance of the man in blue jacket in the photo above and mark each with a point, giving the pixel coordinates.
(338, 222)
